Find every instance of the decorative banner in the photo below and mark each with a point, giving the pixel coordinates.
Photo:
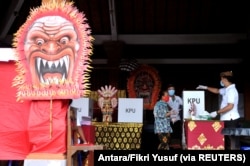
(144, 82)
(53, 49)
(204, 135)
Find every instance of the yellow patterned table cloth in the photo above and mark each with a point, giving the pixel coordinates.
(118, 136)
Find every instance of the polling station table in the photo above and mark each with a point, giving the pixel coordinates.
(204, 134)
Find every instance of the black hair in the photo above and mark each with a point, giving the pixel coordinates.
(170, 85)
(228, 75)
(162, 93)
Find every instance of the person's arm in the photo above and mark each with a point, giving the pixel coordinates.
(213, 90)
(79, 126)
(168, 114)
(79, 129)
(210, 89)
(227, 108)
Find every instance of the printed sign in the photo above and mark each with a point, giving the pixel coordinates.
(84, 106)
(130, 110)
(193, 104)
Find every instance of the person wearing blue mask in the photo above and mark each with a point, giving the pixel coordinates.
(228, 110)
(175, 104)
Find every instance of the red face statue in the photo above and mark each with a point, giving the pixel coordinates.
(53, 49)
(144, 82)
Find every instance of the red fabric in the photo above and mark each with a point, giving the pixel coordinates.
(40, 135)
(89, 133)
(25, 127)
(204, 135)
(14, 117)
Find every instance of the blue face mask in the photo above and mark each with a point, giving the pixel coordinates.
(171, 92)
(221, 84)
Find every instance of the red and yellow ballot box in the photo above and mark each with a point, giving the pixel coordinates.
(204, 135)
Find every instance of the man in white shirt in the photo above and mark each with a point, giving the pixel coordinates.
(229, 105)
(175, 104)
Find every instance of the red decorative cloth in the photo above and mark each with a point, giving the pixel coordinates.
(204, 135)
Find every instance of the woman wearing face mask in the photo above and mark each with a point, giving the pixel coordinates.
(162, 125)
(175, 104)
(229, 104)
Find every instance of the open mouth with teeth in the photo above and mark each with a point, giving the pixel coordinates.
(52, 71)
(146, 96)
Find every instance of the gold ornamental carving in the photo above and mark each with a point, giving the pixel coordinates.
(216, 126)
(192, 125)
(209, 147)
(196, 147)
(202, 139)
(221, 147)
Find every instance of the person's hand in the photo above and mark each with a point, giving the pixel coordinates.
(168, 114)
(173, 116)
(213, 114)
(201, 87)
(173, 112)
(173, 119)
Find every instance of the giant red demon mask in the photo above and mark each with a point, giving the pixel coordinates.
(53, 49)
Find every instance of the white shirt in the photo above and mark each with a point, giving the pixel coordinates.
(175, 105)
(229, 95)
